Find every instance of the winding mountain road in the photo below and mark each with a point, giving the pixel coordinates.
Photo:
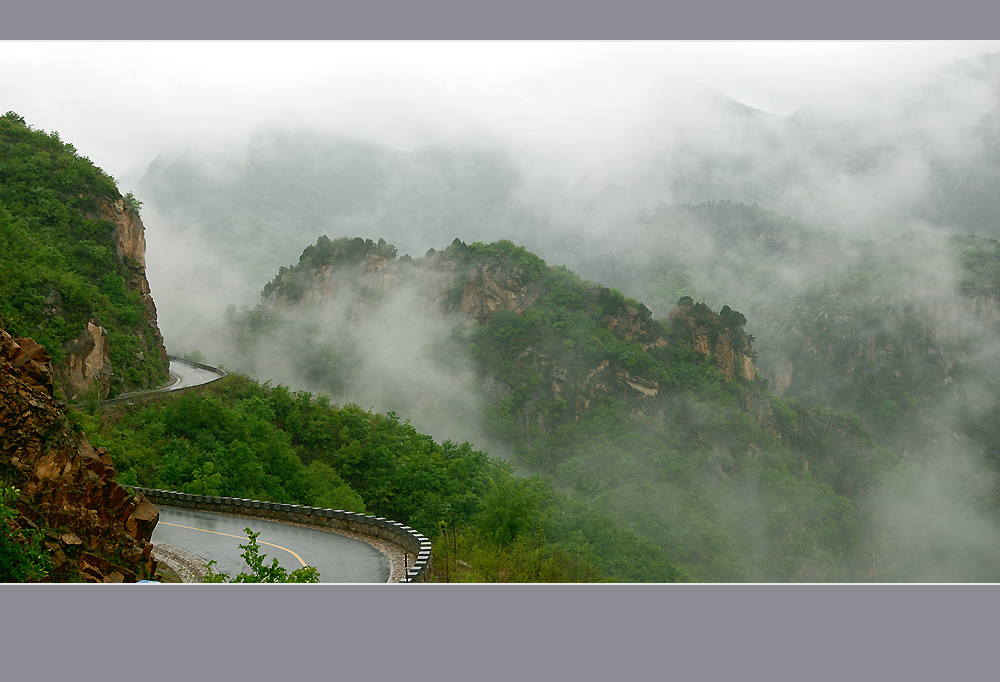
(209, 535)
(185, 374)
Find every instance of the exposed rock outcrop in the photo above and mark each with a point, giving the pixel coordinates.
(130, 234)
(986, 309)
(87, 362)
(718, 338)
(366, 278)
(781, 376)
(496, 289)
(28, 359)
(130, 243)
(86, 367)
(95, 529)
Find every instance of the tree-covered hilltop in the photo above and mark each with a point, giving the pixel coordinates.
(71, 266)
(240, 438)
(663, 423)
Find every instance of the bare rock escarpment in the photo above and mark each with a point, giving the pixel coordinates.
(86, 367)
(130, 247)
(95, 529)
(719, 337)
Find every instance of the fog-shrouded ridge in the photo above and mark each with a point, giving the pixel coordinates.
(875, 163)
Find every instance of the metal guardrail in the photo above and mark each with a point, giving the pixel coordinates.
(199, 365)
(413, 543)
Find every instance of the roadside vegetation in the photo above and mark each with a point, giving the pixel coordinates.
(22, 556)
(259, 571)
(240, 438)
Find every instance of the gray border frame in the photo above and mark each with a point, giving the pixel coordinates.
(496, 632)
(489, 20)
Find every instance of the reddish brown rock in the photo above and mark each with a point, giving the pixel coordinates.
(70, 539)
(143, 519)
(31, 362)
(95, 530)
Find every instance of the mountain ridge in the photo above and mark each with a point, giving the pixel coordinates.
(582, 385)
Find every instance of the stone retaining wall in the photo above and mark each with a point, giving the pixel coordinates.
(416, 546)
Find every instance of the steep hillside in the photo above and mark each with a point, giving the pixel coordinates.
(238, 437)
(72, 267)
(92, 529)
(661, 422)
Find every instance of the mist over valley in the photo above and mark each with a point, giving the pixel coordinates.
(756, 332)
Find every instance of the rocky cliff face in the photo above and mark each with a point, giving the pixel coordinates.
(717, 338)
(86, 368)
(130, 247)
(95, 529)
(985, 308)
(366, 279)
(489, 288)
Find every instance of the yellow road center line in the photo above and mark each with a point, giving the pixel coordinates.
(238, 537)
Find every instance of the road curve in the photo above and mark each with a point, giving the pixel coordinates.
(210, 535)
(216, 536)
(184, 374)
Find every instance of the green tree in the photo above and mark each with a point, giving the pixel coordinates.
(509, 510)
(15, 118)
(21, 555)
(133, 203)
(259, 571)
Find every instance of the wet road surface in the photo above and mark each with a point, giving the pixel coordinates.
(206, 534)
(189, 375)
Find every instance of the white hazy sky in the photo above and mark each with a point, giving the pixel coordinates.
(122, 103)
